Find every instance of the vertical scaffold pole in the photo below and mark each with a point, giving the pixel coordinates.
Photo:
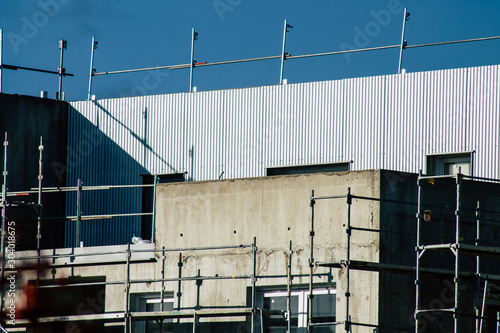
(403, 42)
(485, 293)
(4, 213)
(348, 277)
(478, 267)
(194, 36)
(254, 280)
(127, 290)
(286, 28)
(78, 212)
(92, 69)
(163, 259)
(162, 292)
(179, 287)
(195, 322)
(39, 222)
(311, 267)
(289, 291)
(417, 250)
(153, 220)
(457, 254)
(39, 213)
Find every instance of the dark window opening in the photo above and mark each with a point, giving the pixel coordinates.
(148, 196)
(151, 302)
(307, 168)
(449, 164)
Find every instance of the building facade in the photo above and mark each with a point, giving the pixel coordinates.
(229, 254)
(436, 121)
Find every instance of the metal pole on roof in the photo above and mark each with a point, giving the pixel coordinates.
(284, 54)
(1, 57)
(194, 36)
(60, 70)
(92, 69)
(403, 42)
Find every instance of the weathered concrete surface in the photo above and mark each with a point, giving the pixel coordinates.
(276, 211)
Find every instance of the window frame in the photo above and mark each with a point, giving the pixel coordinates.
(302, 292)
(140, 300)
(435, 163)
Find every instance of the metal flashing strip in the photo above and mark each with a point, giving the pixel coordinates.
(451, 154)
(310, 164)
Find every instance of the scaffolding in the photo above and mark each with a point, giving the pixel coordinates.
(78, 191)
(126, 259)
(73, 258)
(458, 248)
(348, 264)
(130, 255)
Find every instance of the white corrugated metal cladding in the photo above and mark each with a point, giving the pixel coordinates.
(388, 122)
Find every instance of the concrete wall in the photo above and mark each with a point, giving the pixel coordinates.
(276, 211)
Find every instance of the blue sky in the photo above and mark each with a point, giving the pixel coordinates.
(135, 34)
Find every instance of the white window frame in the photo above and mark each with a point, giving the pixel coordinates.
(302, 301)
(158, 300)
